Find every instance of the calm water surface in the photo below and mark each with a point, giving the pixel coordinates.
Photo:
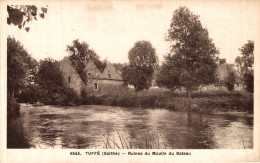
(92, 126)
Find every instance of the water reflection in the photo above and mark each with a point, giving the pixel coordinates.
(115, 127)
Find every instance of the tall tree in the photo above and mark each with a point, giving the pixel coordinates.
(142, 63)
(245, 64)
(193, 56)
(19, 64)
(21, 15)
(80, 54)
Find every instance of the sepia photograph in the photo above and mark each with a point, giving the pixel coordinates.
(130, 75)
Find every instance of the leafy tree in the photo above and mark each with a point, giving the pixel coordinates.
(245, 64)
(80, 54)
(49, 76)
(51, 88)
(21, 15)
(168, 75)
(193, 56)
(19, 62)
(31, 88)
(142, 63)
(32, 71)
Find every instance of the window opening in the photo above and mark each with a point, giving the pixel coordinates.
(95, 86)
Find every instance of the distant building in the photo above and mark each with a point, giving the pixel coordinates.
(221, 75)
(222, 71)
(97, 82)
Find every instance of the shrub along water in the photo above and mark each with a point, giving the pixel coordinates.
(201, 102)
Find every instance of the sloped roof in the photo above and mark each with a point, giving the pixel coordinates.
(91, 65)
(110, 69)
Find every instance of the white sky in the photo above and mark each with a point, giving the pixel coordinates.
(112, 27)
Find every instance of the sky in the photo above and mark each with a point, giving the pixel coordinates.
(112, 27)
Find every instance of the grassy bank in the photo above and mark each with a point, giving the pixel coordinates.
(201, 101)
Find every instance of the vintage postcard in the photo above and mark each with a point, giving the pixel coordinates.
(129, 81)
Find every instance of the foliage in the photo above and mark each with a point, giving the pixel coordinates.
(207, 101)
(168, 75)
(32, 71)
(19, 66)
(193, 56)
(21, 15)
(21, 69)
(119, 66)
(51, 90)
(90, 99)
(230, 82)
(80, 54)
(249, 81)
(65, 96)
(13, 107)
(142, 64)
(245, 64)
(29, 94)
(49, 75)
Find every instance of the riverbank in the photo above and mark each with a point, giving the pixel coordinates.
(206, 102)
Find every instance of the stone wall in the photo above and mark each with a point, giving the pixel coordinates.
(104, 87)
(92, 71)
(70, 76)
(108, 82)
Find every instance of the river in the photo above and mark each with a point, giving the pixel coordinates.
(90, 126)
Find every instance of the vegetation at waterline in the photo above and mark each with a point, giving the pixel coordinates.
(201, 101)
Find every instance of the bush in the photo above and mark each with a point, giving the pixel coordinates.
(249, 81)
(13, 107)
(63, 96)
(90, 100)
(205, 102)
(230, 83)
(67, 96)
(29, 95)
